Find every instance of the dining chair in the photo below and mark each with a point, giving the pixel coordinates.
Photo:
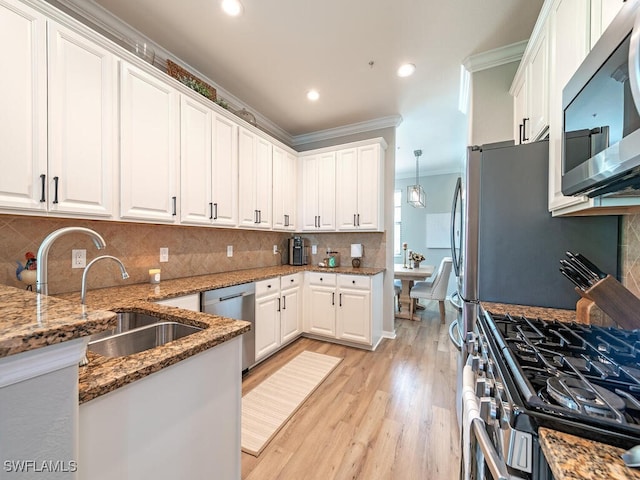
(434, 288)
(397, 290)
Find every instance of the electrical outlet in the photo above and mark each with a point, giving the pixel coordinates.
(78, 258)
(229, 250)
(164, 254)
(314, 249)
(275, 250)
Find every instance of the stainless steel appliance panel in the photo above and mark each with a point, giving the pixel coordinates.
(237, 302)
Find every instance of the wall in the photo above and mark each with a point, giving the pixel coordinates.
(380, 246)
(439, 196)
(491, 118)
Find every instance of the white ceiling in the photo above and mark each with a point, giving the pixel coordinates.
(278, 49)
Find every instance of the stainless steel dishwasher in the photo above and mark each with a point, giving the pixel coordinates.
(237, 302)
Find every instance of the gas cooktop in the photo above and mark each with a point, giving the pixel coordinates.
(577, 378)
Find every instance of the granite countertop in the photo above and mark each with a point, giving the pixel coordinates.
(532, 312)
(32, 321)
(574, 458)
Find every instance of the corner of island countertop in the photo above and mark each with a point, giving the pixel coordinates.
(30, 320)
(543, 313)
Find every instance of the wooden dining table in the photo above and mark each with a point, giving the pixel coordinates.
(407, 276)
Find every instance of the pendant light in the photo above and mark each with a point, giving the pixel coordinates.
(415, 193)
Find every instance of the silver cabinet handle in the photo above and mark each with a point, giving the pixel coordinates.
(496, 465)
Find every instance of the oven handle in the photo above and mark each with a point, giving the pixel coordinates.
(456, 343)
(496, 465)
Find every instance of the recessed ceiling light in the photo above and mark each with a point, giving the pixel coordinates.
(313, 95)
(406, 69)
(232, 7)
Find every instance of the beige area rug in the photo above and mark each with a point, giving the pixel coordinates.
(268, 407)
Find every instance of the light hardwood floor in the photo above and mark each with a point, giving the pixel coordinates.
(388, 414)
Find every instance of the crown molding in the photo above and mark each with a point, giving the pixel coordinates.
(496, 57)
(352, 129)
(117, 30)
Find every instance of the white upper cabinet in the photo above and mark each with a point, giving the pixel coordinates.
(195, 162)
(319, 191)
(602, 13)
(82, 124)
(224, 193)
(359, 190)
(530, 90)
(149, 152)
(23, 123)
(285, 178)
(254, 184)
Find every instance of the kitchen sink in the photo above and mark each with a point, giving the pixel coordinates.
(128, 321)
(140, 338)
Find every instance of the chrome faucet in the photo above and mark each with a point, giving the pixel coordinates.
(83, 293)
(43, 252)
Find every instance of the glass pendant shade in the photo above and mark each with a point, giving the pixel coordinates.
(415, 193)
(416, 196)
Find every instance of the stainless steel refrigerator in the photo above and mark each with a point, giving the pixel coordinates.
(511, 246)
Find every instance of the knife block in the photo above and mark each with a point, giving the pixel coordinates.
(587, 312)
(616, 301)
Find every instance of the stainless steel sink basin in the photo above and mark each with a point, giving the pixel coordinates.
(127, 321)
(141, 338)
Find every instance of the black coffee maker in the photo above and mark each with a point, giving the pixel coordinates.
(298, 251)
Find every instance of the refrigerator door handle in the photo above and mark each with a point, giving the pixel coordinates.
(457, 194)
(457, 295)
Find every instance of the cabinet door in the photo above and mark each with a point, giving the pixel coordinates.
(602, 13)
(195, 162)
(309, 186)
(149, 149)
(291, 314)
(225, 172)
(353, 321)
(248, 215)
(538, 95)
(347, 184)
(520, 110)
(321, 311)
(267, 324)
(23, 123)
(82, 124)
(284, 189)
(327, 191)
(263, 173)
(370, 191)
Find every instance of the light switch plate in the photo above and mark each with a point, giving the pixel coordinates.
(314, 249)
(229, 250)
(78, 258)
(164, 254)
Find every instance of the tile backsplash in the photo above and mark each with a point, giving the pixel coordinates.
(192, 250)
(630, 253)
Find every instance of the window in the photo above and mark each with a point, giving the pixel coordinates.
(397, 221)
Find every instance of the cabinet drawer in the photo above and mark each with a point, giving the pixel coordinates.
(354, 281)
(288, 281)
(266, 287)
(318, 278)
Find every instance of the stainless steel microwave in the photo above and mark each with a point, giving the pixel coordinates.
(601, 123)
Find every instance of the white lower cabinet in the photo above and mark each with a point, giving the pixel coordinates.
(186, 302)
(344, 307)
(278, 313)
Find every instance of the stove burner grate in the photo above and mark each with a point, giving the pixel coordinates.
(576, 394)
